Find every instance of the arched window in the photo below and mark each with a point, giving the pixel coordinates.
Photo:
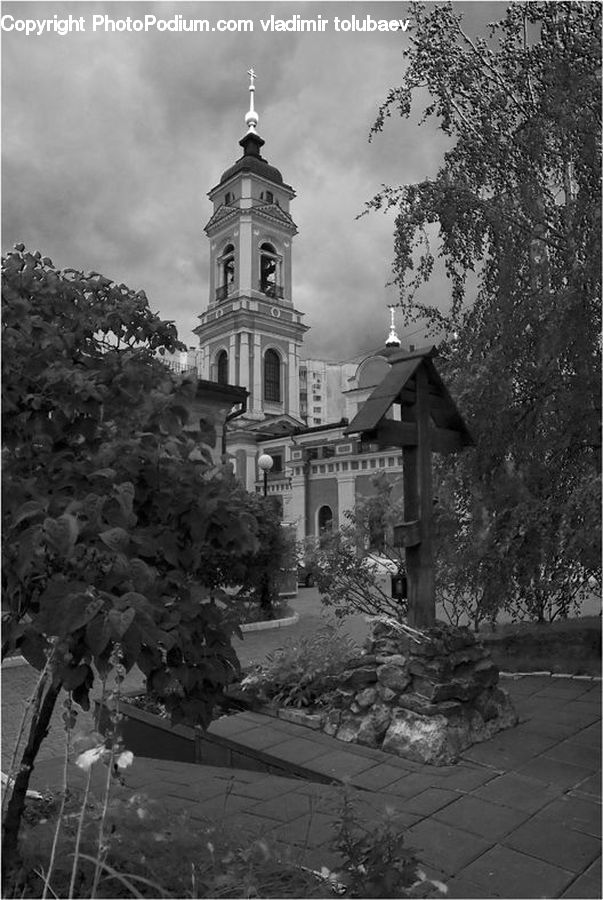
(222, 367)
(325, 519)
(272, 376)
(270, 271)
(226, 273)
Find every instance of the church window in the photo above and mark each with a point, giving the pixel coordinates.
(222, 367)
(272, 376)
(325, 519)
(226, 273)
(270, 271)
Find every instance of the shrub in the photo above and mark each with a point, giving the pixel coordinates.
(294, 675)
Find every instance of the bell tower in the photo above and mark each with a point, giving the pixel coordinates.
(251, 334)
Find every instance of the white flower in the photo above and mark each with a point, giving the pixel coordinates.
(86, 759)
(124, 759)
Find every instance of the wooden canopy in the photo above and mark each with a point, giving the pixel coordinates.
(413, 409)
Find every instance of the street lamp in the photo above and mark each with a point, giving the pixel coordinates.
(265, 463)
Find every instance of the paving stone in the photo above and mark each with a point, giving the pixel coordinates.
(234, 726)
(468, 777)
(460, 888)
(340, 764)
(555, 844)
(270, 786)
(306, 831)
(489, 820)
(259, 738)
(508, 873)
(283, 808)
(576, 813)
(590, 786)
(296, 750)
(429, 801)
(411, 784)
(577, 753)
(555, 773)
(517, 791)
(377, 777)
(583, 888)
(448, 848)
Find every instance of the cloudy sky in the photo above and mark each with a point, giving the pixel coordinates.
(110, 142)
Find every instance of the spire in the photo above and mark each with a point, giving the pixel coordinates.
(252, 118)
(392, 339)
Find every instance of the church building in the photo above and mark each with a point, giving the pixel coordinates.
(251, 335)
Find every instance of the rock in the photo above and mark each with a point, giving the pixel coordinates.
(420, 704)
(386, 694)
(394, 659)
(357, 662)
(373, 726)
(348, 728)
(394, 677)
(424, 739)
(300, 717)
(331, 720)
(359, 677)
(366, 697)
(465, 689)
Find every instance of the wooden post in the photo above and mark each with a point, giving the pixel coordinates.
(418, 504)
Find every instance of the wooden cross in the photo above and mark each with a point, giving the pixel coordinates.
(412, 409)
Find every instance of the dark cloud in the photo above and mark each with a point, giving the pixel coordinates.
(110, 143)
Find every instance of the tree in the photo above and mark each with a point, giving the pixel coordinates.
(517, 202)
(109, 507)
(349, 564)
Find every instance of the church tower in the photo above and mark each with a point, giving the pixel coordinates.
(251, 334)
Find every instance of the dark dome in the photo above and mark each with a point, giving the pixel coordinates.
(255, 164)
(252, 161)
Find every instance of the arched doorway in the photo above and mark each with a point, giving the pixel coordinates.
(325, 520)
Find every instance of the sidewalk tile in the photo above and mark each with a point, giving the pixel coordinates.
(233, 726)
(297, 750)
(508, 873)
(310, 830)
(377, 777)
(285, 808)
(468, 776)
(555, 844)
(583, 888)
(444, 846)
(411, 785)
(480, 817)
(577, 753)
(270, 786)
(590, 786)
(429, 801)
(516, 791)
(341, 764)
(575, 813)
(562, 775)
(260, 738)
(460, 888)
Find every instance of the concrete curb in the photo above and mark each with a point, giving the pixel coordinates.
(271, 624)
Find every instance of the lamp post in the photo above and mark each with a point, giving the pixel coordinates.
(265, 463)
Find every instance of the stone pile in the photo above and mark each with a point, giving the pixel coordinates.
(426, 696)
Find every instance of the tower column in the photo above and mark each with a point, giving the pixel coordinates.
(244, 360)
(232, 359)
(293, 385)
(257, 374)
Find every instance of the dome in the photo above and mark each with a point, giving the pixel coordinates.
(254, 164)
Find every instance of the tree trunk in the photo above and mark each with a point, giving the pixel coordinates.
(10, 832)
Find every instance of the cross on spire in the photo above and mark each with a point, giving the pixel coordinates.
(252, 118)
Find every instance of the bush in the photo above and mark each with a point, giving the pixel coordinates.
(294, 675)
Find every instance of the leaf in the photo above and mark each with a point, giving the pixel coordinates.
(116, 539)
(61, 534)
(61, 615)
(98, 634)
(33, 647)
(29, 510)
(121, 621)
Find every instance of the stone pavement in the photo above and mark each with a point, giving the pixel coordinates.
(519, 816)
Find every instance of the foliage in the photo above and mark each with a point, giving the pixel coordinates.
(256, 572)
(294, 675)
(517, 204)
(349, 564)
(109, 505)
(377, 864)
